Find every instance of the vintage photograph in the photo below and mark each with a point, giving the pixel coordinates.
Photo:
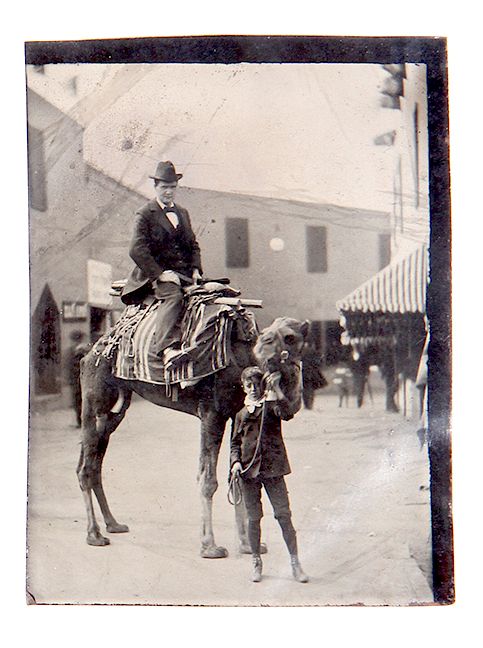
(240, 359)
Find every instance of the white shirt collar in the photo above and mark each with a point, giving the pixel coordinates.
(251, 405)
(163, 206)
(171, 215)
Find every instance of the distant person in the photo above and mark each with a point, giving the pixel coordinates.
(422, 385)
(259, 457)
(77, 351)
(167, 256)
(342, 380)
(312, 376)
(360, 374)
(388, 372)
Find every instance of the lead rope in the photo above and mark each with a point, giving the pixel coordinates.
(235, 494)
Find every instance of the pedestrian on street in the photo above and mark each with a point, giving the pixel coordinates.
(388, 373)
(360, 375)
(342, 379)
(312, 376)
(258, 455)
(167, 256)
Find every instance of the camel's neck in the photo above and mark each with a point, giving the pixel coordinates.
(291, 385)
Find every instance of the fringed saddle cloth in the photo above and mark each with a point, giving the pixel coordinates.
(205, 344)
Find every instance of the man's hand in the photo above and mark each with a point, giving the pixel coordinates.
(169, 276)
(236, 468)
(196, 276)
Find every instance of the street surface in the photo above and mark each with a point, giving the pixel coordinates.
(359, 496)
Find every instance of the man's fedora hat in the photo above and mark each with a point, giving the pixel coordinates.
(165, 171)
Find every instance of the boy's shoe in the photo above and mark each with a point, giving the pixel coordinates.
(257, 569)
(297, 571)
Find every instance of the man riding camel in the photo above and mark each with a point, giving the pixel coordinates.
(167, 256)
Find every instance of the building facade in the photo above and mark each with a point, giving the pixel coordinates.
(385, 317)
(297, 257)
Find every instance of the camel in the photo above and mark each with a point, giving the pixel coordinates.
(214, 400)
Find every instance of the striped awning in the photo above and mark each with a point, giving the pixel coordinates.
(400, 287)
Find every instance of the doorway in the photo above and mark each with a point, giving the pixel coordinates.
(100, 322)
(45, 340)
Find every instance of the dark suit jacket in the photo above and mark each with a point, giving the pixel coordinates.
(157, 246)
(271, 459)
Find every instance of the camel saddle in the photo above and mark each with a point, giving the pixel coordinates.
(212, 310)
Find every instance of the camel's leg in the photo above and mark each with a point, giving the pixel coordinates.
(88, 467)
(212, 428)
(96, 431)
(112, 526)
(241, 526)
(94, 536)
(241, 519)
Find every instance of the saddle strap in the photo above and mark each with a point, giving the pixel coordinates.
(124, 329)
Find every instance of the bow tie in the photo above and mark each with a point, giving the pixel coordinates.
(252, 405)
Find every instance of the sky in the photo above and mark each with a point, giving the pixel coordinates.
(291, 131)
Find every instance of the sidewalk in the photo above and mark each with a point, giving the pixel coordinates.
(359, 495)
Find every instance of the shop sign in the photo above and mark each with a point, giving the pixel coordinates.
(74, 311)
(99, 280)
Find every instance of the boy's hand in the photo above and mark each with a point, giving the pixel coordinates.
(236, 468)
(273, 385)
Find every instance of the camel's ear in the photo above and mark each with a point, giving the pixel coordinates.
(304, 328)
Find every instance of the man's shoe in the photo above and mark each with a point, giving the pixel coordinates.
(189, 383)
(257, 569)
(297, 571)
(169, 353)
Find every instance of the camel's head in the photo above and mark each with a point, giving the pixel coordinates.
(278, 350)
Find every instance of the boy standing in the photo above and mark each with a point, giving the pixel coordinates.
(258, 455)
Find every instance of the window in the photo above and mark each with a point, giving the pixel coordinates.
(384, 250)
(36, 161)
(316, 245)
(236, 237)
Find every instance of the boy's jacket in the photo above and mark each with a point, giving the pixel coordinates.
(271, 456)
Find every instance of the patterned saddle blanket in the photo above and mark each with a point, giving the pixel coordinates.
(205, 345)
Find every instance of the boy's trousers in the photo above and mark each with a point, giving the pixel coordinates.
(277, 494)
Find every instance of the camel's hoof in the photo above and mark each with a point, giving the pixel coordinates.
(97, 540)
(117, 528)
(245, 548)
(213, 552)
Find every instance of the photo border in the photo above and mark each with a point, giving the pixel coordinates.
(343, 49)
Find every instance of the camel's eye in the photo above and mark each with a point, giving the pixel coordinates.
(267, 338)
(290, 339)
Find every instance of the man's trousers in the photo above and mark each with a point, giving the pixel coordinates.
(169, 314)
